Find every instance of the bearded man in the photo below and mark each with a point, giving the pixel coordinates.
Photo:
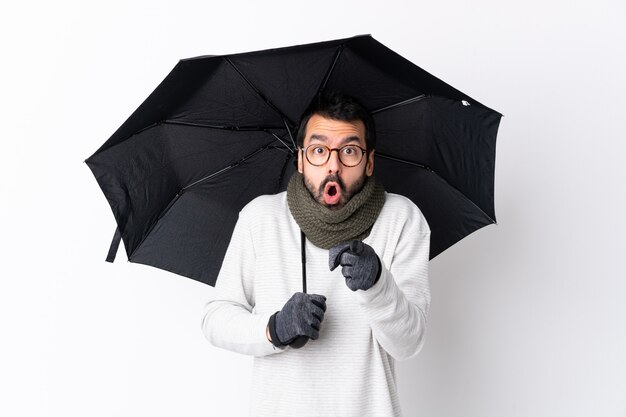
(368, 295)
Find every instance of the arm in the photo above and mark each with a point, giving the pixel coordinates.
(228, 320)
(397, 305)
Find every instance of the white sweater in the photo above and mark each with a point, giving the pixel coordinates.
(350, 369)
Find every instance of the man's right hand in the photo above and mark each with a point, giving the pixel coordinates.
(301, 315)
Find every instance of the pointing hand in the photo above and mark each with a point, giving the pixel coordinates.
(360, 264)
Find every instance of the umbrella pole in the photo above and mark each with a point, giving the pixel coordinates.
(301, 340)
(302, 251)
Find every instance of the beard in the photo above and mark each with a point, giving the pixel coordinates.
(317, 192)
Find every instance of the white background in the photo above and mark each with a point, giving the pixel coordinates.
(527, 317)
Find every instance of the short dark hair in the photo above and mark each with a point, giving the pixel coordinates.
(339, 106)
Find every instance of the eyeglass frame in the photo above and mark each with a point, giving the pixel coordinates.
(330, 151)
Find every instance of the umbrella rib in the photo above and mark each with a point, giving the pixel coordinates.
(150, 126)
(426, 167)
(290, 135)
(393, 158)
(228, 168)
(182, 190)
(140, 183)
(265, 129)
(331, 68)
(220, 127)
(401, 103)
(291, 151)
(223, 127)
(258, 92)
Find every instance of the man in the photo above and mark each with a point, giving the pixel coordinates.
(367, 278)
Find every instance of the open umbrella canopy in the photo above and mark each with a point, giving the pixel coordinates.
(220, 131)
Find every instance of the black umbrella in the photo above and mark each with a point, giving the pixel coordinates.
(220, 131)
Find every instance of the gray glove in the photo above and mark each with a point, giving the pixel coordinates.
(360, 264)
(301, 315)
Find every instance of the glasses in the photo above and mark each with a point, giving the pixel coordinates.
(349, 155)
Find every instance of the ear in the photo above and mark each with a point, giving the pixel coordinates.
(369, 167)
(300, 161)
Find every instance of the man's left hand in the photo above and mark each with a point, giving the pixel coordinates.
(360, 264)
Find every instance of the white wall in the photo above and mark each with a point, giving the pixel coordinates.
(527, 317)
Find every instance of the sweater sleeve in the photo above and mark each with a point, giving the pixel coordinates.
(229, 320)
(397, 305)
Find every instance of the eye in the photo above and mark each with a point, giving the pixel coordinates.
(319, 150)
(349, 150)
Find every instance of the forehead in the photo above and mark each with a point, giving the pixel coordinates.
(334, 131)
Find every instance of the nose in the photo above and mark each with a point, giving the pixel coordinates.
(333, 164)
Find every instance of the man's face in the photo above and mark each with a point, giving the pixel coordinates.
(333, 184)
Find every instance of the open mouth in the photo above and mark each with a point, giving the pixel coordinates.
(332, 193)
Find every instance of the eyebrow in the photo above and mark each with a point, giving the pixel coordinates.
(345, 140)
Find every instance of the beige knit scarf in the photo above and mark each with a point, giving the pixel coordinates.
(325, 227)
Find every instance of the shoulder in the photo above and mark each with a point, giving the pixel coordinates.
(400, 209)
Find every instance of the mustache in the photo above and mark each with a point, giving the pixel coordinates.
(333, 178)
